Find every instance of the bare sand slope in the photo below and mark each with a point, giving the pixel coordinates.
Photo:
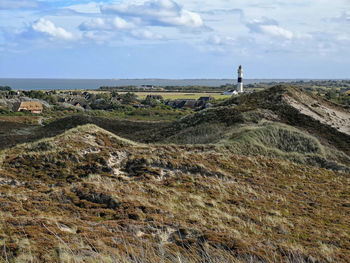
(323, 111)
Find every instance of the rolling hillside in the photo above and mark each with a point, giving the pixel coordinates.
(89, 196)
(282, 122)
(263, 177)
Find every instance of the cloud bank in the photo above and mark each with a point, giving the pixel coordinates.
(157, 13)
(47, 27)
(223, 31)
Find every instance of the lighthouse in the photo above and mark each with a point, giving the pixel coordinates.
(240, 80)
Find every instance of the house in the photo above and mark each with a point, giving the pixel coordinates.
(175, 103)
(33, 107)
(171, 103)
(190, 104)
(147, 86)
(83, 105)
(208, 105)
(230, 92)
(206, 99)
(185, 103)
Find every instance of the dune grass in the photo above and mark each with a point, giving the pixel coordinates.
(86, 196)
(284, 142)
(231, 195)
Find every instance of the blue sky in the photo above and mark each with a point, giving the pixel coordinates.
(174, 39)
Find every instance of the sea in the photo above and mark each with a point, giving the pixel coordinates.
(91, 84)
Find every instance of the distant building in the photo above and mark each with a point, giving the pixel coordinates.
(185, 103)
(147, 86)
(190, 104)
(33, 107)
(230, 92)
(206, 99)
(208, 105)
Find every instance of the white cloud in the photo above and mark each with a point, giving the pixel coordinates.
(100, 30)
(49, 28)
(215, 40)
(287, 27)
(271, 28)
(277, 31)
(97, 24)
(120, 23)
(157, 13)
(88, 8)
(256, 24)
(146, 34)
(99, 37)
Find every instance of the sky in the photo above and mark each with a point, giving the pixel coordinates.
(175, 39)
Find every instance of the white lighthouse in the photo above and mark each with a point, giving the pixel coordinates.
(240, 80)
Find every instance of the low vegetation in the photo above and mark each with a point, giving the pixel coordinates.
(181, 95)
(88, 195)
(262, 177)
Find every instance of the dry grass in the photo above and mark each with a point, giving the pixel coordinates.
(89, 196)
(20, 119)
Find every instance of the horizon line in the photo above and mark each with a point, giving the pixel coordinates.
(36, 78)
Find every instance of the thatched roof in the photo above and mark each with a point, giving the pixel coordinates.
(31, 106)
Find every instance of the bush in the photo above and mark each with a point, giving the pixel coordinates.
(129, 98)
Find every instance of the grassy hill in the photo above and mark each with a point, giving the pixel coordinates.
(90, 196)
(282, 122)
(263, 177)
(12, 133)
